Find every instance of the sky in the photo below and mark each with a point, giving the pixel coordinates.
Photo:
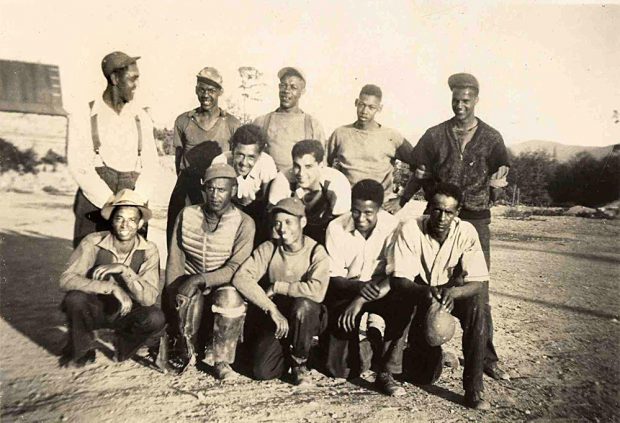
(547, 71)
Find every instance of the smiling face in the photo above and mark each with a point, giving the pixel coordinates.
(126, 82)
(208, 95)
(219, 192)
(288, 228)
(367, 107)
(245, 157)
(365, 214)
(306, 170)
(443, 210)
(126, 220)
(464, 102)
(290, 89)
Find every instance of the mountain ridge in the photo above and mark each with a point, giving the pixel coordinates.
(562, 152)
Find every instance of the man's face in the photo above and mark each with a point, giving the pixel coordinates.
(288, 228)
(443, 210)
(464, 102)
(219, 192)
(126, 82)
(207, 95)
(126, 220)
(291, 88)
(244, 158)
(365, 213)
(306, 170)
(367, 107)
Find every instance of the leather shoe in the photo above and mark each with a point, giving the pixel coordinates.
(474, 400)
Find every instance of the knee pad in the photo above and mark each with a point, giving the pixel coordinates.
(228, 303)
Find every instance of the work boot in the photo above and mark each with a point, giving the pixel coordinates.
(223, 372)
(301, 375)
(494, 371)
(386, 384)
(473, 399)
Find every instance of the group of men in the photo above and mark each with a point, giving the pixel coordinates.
(278, 237)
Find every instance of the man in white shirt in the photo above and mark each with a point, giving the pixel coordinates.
(117, 151)
(439, 258)
(357, 243)
(325, 192)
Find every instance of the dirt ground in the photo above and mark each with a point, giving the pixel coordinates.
(555, 304)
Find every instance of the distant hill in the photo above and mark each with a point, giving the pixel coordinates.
(563, 152)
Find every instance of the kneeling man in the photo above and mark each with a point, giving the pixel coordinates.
(357, 243)
(209, 243)
(439, 258)
(287, 279)
(113, 282)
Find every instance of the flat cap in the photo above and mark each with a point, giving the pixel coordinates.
(210, 76)
(289, 70)
(463, 80)
(126, 197)
(116, 60)
(290, 205)
(219, 170)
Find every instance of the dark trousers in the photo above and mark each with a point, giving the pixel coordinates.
(186, 192)
(484, 234)
(87, 312)
(423, 364)
(342, 349)
(271, 357)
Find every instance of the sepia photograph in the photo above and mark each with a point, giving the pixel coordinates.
(309, 211)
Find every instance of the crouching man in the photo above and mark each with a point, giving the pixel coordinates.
(357, 243)
(287, 279)
(439, 258)
(209, 243)
(113, 282)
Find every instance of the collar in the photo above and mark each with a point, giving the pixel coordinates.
(194, 112)
(426, 229)
(100, 106)
(382, 224)
(107, 243)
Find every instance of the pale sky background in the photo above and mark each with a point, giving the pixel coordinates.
(548, 72)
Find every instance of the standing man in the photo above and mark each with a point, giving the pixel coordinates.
(469, 153)
(112, 281)
(209, 243)
(325, 192)
(199, 135)
(286, 280)
(289, 124)
(367, 149)
(427, 252)
(117, 151)
(357, 243)
(255, 170)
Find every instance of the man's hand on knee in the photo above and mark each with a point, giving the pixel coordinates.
(191, 286)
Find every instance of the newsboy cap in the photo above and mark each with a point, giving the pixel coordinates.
(116, 60)
(463, 80)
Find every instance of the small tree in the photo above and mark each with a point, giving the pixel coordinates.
(531, 172)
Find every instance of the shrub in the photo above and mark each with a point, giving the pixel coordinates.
(12, 158)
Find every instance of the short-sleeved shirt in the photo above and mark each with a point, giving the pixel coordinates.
(338, 190)
(470, 168)
(286, 129)
(368, 154)
(416, 253)
(248, 187)
(188, 134)
(354, 257)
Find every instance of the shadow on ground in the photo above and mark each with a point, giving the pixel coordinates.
(30, 298)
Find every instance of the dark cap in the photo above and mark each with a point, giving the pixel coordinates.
(289, 70)
(210, 76)
(463, 80)
(290, 205)
(219, 170)
(116, 60)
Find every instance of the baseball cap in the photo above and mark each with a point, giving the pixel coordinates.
(290, 205)
(126, 197)
(289, 70)
(219, 170)
(210, 76)
(116, 60)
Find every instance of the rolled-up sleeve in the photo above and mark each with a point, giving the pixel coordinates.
(337, 262)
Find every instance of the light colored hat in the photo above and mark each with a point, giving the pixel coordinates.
(210, 76)
(219, 170)
(289, 70)
(290, 205)
(126, 197)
